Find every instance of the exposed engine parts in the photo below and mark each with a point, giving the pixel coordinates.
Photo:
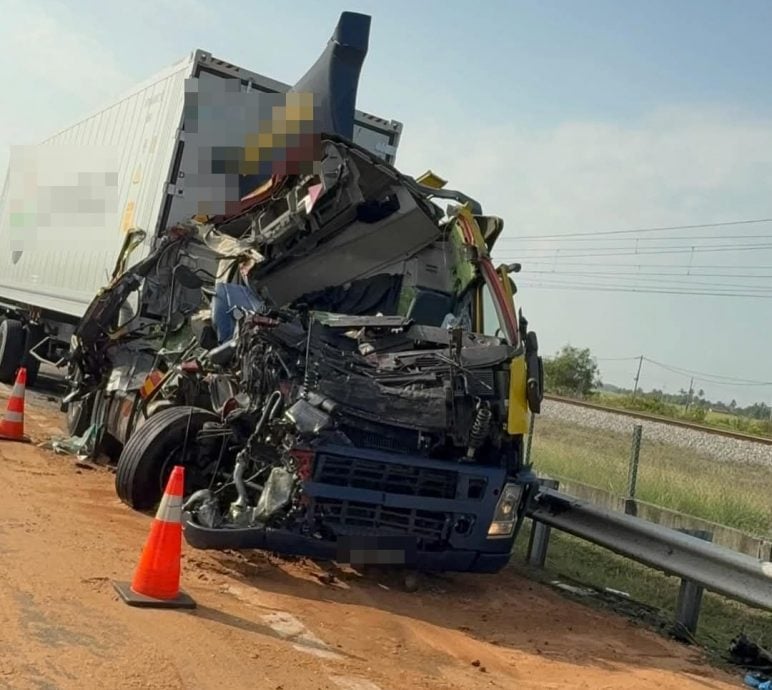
(479, 430)
(414, 401)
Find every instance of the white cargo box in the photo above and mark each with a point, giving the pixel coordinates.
(67, 203)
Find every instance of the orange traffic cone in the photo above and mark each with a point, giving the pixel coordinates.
(12, 423)
(156, 580)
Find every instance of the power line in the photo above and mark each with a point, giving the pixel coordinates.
(694, 372)
(713, 378)
(620, 281)
(652, 229)
(643, 290)
(640, 279)
(606, 264)
(557, 271)
(557, 254)
(612, 281)
(646, 280)
(633, 239)
(616, 246)
(557, 251)
(704, 377)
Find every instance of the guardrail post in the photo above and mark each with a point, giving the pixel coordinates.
(539, 541)
(690, 594)
(632, 471)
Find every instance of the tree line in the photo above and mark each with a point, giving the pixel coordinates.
(574, 372)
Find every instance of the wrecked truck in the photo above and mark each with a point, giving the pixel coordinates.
(369, 392)
(338, 365)
(381, 418)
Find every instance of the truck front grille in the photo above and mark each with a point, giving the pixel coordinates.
(386, 477)
(352, 517)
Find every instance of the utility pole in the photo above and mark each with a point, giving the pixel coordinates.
(637, 375)
(689, 395)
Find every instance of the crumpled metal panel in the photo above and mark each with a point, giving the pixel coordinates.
(130, 369)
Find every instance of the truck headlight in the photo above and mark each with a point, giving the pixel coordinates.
(503, 523)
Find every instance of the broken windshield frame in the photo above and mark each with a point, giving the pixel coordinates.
(481, 313)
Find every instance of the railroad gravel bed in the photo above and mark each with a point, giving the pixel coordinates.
(718, 447)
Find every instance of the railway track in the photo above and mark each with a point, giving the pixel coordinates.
(664, 420)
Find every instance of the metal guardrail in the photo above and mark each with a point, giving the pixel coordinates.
(660, 419)
(714, 567)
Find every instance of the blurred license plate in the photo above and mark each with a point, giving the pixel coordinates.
(369, 550)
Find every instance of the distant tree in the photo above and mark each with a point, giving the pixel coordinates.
(733, 405)
(572, 371)
(757, 411)
(700, 393)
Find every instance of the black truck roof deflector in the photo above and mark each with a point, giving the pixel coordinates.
(334, 80)
(334, 77)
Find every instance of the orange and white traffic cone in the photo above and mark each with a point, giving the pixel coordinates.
(12, 423)
(156, 580)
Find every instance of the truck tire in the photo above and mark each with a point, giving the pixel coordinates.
(12, 342)
(78, 411)
(32, 336)
(33, 368)
(148, 456)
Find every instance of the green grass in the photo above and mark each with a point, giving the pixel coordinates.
(672, 477)
(718, 420)
(720, 620)
(724, 418)
(746, 425)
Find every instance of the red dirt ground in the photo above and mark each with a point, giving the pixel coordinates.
(263, 622)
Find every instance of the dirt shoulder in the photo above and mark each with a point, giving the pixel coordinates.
(264, 622)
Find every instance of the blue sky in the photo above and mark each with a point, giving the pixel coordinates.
(558, 116)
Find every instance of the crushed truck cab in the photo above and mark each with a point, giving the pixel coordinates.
(388, 399)
(336, 361)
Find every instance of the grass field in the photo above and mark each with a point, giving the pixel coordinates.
(673, 477)
(735, 495)
(720, 418)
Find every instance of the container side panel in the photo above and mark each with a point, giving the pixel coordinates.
(70, 200)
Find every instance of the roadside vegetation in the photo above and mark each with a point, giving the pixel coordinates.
(678, 478)
(572, 560)
(699, 411)
(573, 372)
(673, 477)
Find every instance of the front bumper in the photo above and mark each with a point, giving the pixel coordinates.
(290, 544)
(386, 508)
